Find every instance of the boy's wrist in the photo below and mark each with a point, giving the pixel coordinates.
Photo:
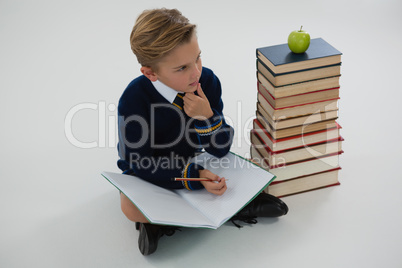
(207, 119)
(192, 170)
(210, 114)
(205, 116)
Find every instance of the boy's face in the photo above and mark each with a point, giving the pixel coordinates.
(181, 68)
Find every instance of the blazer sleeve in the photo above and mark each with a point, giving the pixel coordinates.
(215, 135)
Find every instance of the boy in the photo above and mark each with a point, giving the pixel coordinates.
(161, 130)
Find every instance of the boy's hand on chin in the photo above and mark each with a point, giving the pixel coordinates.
(197, 107)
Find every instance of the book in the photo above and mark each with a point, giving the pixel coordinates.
(298, 110)
(298, 88)
(305, 139)
(295, 130)
(298, 76)
(297, 169)
(303, 184)
(197, 208)
(299, 99)
(297, 120)
(297, 154)
(295, 135)
(280, 59)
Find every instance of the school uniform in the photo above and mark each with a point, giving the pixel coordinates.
(157, 139)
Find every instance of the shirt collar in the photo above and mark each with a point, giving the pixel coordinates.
(167, 92)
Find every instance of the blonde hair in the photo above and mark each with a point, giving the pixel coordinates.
(157, 32)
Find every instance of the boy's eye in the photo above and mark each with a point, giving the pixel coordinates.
(182, 68)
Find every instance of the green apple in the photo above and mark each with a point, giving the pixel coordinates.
(299, 41)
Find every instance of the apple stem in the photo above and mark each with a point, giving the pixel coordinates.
(301, 28)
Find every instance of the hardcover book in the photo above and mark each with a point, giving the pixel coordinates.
(297, 169)
(197, 208)
(280, 59)
(296, 130)
(298, 76)
(297, 120)
(297, 110)
(302, 140)
(297, 154)
(299, 99)
(298, 88)
(303, 184)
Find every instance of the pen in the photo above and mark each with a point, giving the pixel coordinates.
(193, 179)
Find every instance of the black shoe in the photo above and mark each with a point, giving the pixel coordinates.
(149, 236)
(264, 205)
(267, 205)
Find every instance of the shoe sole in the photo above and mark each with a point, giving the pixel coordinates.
(145, 243)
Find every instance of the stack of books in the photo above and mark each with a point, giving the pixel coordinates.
(295, 134)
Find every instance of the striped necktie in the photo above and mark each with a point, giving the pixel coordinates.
(178, 101)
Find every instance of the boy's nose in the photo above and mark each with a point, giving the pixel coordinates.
(197, 71)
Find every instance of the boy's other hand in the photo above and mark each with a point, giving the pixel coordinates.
(197, 107)
(217, 185)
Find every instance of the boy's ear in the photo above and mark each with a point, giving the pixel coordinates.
(149, 73)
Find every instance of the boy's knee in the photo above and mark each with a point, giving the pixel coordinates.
(127, 207)
(131, 211)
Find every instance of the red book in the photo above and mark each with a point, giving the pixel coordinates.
(298, 88)
(297, 169)
(295, 154)
(297, 141)
(297, 110)
(288, 122)
(299, 99)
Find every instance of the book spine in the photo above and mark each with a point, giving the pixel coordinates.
(293, 106)
(294, 72)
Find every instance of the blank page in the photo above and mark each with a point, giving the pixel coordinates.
(246, 180)
(159, 205)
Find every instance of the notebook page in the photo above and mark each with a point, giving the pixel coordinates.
(246, 180)
(159, 205)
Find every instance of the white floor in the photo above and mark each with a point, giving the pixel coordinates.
(59, 57)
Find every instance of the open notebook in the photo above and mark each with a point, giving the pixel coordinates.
(197, 208)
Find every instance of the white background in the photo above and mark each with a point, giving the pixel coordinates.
(57, 211)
